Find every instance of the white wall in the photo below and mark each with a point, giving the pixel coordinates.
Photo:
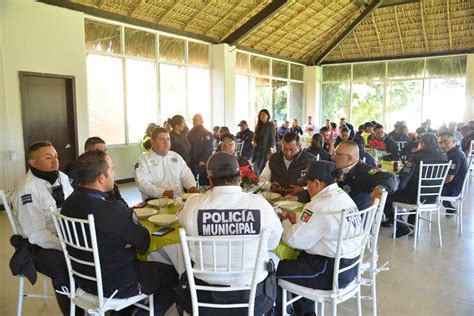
(469, 112)
(313, 77)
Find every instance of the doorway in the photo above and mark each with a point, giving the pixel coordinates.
(48, 113)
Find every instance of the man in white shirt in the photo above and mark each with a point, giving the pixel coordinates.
(44, 188)
(226, 210)
(309, 127)
(162, 172)
(315, 232)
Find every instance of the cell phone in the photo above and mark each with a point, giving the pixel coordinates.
(163, 231)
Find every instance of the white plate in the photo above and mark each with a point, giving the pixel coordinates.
(288, 205)
(145, 212)
(156, 202)
(270, 195)
(188, 195)
(163, 219)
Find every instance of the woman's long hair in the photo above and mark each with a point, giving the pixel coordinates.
(176, 120)
(260, 123)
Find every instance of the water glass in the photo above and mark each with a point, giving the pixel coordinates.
(163, 202)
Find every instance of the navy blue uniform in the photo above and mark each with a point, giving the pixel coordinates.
(369, 160)
(466, 142)
(201, 141)
(323, 155)
(119, 237)
(458, 170)
(362, 179)
(246, 137)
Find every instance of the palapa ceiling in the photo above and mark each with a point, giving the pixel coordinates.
(307, 31)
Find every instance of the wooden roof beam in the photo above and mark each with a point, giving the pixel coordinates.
(423, 26)
(136, 7)
(449, 25)
(399, 30)
(377, 34)
(164, 14)
(254, 21)
(101, 4)
(318, 59)
(195, 15)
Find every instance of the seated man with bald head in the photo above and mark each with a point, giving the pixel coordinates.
(359, 179)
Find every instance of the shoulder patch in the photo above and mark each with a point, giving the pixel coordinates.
(134, 218)
(306, 215)
(25, 199)
(137, 164)
(373, 171)
(174, 160)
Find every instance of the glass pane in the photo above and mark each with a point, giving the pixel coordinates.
(172, 91)
(198, 53)
(260, 94)
(259, 65)
(139, 43)
(441, 94)
(105, 98)
(172, 49)
(404, 104)
(279, 69)
(447, 66)
(280, 100)
(367, 102)
(102, 37)
(297, 72)
(296, 101)
(199, 90)
(242, 109)
(405, 68)
(335, 101)
(337, 73)
(371, 71)
(141, 97)
(242, 62)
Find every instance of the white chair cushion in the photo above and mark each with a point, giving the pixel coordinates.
(89, 301)
(321, 295)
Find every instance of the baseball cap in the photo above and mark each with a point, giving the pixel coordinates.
(319, 170)
(222, 165)
(242, 122)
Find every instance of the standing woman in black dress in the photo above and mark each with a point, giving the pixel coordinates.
(263, 140)
(179, 137)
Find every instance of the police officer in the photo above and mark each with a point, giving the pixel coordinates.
(454, 180)
(226, 210)
(381, 141)
(119, 236)
(245, 135)
(44, 187)
(412, 146)
(316, 232)
(284, 167)
(428, 151)
(201, 141)
(360, 179)
(161, 172)
(316, 148)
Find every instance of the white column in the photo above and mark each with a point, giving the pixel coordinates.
(313, 77)
(223, 85)
(469, 109)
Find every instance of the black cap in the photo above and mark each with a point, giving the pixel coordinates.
(319, 170)
(222, 165)
(243, 122)
(430, 140)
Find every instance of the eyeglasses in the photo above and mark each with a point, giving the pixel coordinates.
(230, 142)
(340, 154)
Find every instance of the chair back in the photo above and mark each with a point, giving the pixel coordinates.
(239, 146)
(353, 234)
(222, 251)
(430, 182)
(401, 145)
(471, 152)
(11, 217)
(466, 179)
(80, 236)
(374, 231)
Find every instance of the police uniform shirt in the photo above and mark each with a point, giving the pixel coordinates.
(227, 211)
(155, 174)
(246, 138)
(316, 230)
(201, 141)
(457, 169)
(119, 237)
(33, 202)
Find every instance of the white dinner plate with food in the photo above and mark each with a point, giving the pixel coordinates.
(270, 195)
(145, 212)
(163, 219)
(188, 195)
(288, 205)
(156, 202)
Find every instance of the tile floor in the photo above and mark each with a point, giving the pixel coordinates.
(427, 281)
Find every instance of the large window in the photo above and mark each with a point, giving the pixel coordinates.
(267, 83)
(136, 76)
(409, 90)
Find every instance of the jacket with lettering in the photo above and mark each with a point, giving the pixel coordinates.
(155, 174)
(316, 229)
(246, 137)
(119, 237)
(32, 202)
(226, 210)
(361, 179)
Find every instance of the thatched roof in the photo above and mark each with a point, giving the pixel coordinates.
(307, 31)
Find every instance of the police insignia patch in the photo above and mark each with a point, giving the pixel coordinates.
(208, 137)
(174, 159)
(306, 215)
(134, 218)
(347, 188)
(25, 199)
(137, 165)
(153, 163)
(373, 171)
